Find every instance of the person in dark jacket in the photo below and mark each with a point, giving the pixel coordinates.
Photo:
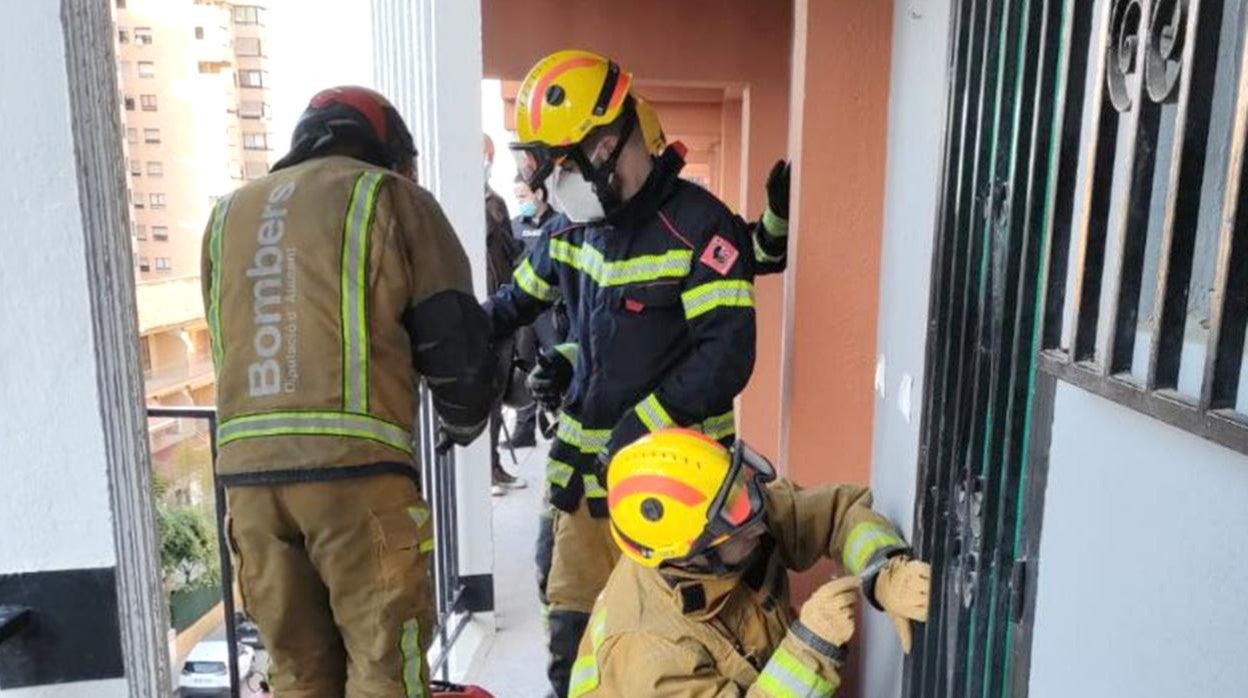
(657, 275)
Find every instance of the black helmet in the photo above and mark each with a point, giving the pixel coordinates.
(357, 116)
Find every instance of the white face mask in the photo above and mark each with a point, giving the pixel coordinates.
(574, 196)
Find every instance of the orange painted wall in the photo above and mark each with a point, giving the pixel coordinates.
(839, 134)
(738, 45)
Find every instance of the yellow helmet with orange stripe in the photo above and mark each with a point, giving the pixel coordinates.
(676, 494)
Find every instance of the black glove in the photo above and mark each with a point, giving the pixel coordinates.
(778, 189)
(549, 381)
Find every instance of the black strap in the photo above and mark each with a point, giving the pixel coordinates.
(837, 653)
(608, 89)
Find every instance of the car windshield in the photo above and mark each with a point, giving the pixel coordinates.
(204, 668)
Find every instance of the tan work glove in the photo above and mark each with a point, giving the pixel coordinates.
(829, 612)
(901, 589)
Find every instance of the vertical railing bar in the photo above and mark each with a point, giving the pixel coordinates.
(947, 435)
(1094, 218)
(921, 667)
(227, 564)
(1224, 353)
(1183, 192)
(1060, 209)
(1131, 233)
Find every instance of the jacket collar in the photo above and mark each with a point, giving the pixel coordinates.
(654, 192)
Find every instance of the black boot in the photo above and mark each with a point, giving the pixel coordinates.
(566, 628)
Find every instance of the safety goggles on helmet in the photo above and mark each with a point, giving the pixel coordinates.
(537, 161)
(738, 508)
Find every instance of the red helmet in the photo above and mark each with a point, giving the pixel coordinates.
(352, 115)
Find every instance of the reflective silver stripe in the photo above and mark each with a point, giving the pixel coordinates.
(761, 255)
(593, 490)
(786, 677)
(215, 244)
(589, 441)
(732, 293)
(413, 686)
(354, 291)
(865, 540)
(559, 473)
(651, 267)
(315, 424)
(652, 414)
(720, 426)
(529, 282)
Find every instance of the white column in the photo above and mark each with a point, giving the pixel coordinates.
(427, 60)
(75, 491)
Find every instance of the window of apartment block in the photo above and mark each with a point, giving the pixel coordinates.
(199, 32)
(140, 231)
(247, 14)
(135, 169)
(247, 46)
(163, 264)
(151, 135)
(147, 69)
(132, 135)
(254, 170)
(255, 141)
(138, 199)
(144, 264)
(155, 168)
(143, 36)
(129, 102)
(253, 109)
(148, 102)
(123, 35)
(160, 233)
(157, 201)
(251, 78)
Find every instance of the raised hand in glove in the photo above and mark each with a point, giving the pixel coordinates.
(902, 591)
(778, 189)
(550, 379)
(829, 612)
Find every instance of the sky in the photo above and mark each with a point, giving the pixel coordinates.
(315, 44)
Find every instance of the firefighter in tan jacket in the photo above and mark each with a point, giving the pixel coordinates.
(332, 286)
(699, 606)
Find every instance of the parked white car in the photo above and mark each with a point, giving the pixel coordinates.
(205, 674)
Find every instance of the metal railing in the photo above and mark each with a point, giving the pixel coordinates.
(437, 484)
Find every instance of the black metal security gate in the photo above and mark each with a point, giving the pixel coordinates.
(1077, 125)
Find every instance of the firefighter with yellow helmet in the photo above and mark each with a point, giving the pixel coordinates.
(657, 275)
(700, 605)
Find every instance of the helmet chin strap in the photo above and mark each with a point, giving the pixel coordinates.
(603, 176)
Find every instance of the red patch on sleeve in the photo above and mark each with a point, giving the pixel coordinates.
(720, 255)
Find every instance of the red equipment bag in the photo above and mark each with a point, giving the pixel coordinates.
(444, 689)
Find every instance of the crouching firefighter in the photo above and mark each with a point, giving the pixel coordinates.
(700, 605)
(332, 286)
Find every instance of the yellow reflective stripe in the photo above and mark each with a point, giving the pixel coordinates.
(409, 646)
(589, 441)
(419, 514)
(215, 244)
(353, 291)
(786, 677)
(864, 541)
(717, 294)
(720, 426)
(652, 413)
(593, 489)
(584, 676)
(529, 282)
(559, 473)
(360, 426)
(585, 671)
(568, 350)
(761, 255)
(426, 545)
(673, 264)
(774, 225)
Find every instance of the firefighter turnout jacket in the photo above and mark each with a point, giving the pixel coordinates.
(662, 632)
(331, 287)
(660, 299)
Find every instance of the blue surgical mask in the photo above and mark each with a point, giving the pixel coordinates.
(528, 209)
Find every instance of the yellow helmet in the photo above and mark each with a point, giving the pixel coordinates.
(677, 493)
(561, 101)
(651, 128)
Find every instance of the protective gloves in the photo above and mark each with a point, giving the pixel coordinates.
(901, 589)
(829, 612)
(776, 217)
(550, 379)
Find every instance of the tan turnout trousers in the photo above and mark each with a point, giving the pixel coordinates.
(336, 574)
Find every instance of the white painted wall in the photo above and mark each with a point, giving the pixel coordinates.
(54, 506)
(915, 135)
(1142, 579)
(54, 500)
